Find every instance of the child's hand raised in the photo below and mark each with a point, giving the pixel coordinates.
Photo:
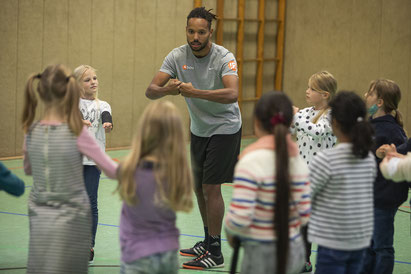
(87, 123)
(295, 109)
(108, 127)
(384, 150)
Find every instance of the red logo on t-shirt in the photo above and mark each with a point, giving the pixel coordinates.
(232, 65)
(185, 67)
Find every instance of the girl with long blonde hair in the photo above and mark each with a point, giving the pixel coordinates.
(59, 210)
(97, 116)
(154, 182)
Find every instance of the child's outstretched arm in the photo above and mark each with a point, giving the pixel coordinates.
(318, 130)
(384, 150)
(106, 118)
(397, 168)
(26, 160)
(10, 182)
(89, 147)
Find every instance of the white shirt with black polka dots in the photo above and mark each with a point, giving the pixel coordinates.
(312, 138)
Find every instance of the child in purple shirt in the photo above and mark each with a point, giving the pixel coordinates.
(154, 182)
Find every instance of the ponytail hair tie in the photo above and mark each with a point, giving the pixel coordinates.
(38, 76)
(68, 77)
(360, 119)
(277, 119)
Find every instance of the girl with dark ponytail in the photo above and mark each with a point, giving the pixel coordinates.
(271, 200)
(342, 180)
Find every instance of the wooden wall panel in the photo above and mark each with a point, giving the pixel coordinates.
(365, 40)
(102, 52)
(357, 41)
(166, 35)
(183, 8)
(126, 41)
(79, 33)
(30, 55)
(335, 25)
(301, 55)
(144, 69)
(395, 45)
(407, 101)
(123, 71)
(55, 39)
(8, 75)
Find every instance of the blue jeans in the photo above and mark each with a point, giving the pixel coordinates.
(91, 180)
(160, 263)
(338, 261)
(379, 256)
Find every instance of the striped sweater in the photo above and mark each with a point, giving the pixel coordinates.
(252, 208)
(342, 199)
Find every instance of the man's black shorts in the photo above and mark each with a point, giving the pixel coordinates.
(213, 158)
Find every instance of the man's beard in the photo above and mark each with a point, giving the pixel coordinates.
(203, 45)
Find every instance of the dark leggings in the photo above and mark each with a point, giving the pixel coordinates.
(91, 180)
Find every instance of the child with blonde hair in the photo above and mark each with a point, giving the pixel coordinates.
(382, 99)
(59, 210)
(271, 198)
(312, 127)
(154, 182)
(97, 116)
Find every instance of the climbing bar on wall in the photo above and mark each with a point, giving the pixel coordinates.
(278, 82)
(260, 49)
(197, 3)
(259, 59)
(240, 48)
(220, 22)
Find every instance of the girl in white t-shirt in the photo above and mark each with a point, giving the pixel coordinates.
(312, 126)
(97, 116)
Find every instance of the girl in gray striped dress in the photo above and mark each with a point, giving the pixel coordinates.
(59, 210)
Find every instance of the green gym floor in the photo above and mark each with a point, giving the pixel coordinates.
(14, 228)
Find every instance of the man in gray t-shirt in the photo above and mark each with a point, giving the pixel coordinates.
(205, 74)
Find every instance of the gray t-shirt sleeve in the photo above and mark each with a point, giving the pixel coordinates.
(229, 65)
(169, 65)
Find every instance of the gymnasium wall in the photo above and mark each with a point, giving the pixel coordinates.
(356, 40)
(126, 41)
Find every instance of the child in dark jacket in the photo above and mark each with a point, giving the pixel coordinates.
(382, 100)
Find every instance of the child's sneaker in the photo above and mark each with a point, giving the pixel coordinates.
(308, 268)
(91, 258)
(197, 250)
(205, 261)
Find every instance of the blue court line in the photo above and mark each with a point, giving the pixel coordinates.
(13, 213)
(188, 235)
